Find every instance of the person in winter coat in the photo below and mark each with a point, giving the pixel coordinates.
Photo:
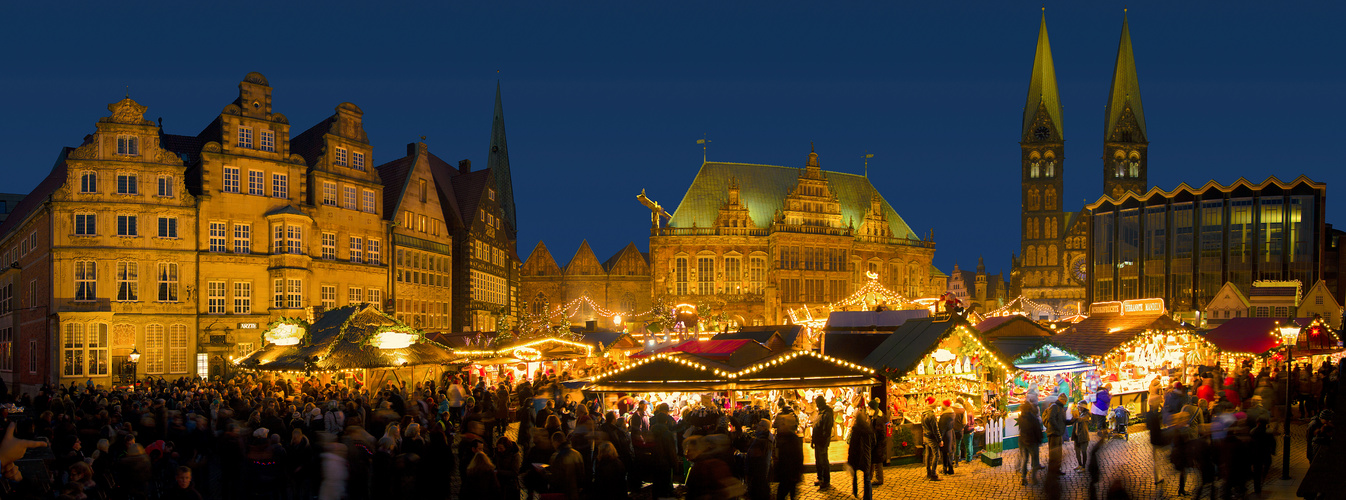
(1056, 431)
(789, 462)
(1030, 440)
(1080, 434)
(566, 470)
(822, 439)
(508, 461)
(334, 471)
(710, 477)
(858, 454)
(1099, 410)
(879, 421)
(759, 462)
(933, 443)
(609, 474)
(480, 479)
(946, 427)
(664, 457)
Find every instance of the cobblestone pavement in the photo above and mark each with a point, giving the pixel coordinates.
(1127, 461)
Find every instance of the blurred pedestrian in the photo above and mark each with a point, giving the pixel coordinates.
(821, 440)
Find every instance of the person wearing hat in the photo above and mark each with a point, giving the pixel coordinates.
(930, 432)
(822, 439)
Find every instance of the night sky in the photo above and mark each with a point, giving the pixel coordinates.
(604, 99)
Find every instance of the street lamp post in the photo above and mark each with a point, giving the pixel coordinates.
(1289, 333)
(131, 361)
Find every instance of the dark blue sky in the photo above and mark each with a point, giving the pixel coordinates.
(603, 99)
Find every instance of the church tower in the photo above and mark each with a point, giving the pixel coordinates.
(1042, 148)
(1124, 139)
(498, 162)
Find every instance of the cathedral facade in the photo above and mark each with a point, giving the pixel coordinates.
(1051, 266)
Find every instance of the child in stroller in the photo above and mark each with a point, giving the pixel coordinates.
(1117, 421)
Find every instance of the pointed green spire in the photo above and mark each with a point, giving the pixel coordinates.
(498, 161)
(1042, 91)
(1125, 91)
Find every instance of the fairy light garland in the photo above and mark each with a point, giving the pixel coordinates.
(1026, 308)
(588, 348)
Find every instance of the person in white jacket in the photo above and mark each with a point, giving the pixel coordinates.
(456, 400)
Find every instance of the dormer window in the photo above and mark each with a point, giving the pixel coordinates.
(268, 141)
(340, 158)
(490, 193)
(128, 145)
(358, 161)
(88, 182)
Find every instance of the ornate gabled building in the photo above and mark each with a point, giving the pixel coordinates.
(576, 293)
(978, 291)
(759, 241)
(420, 247)
(285, 223)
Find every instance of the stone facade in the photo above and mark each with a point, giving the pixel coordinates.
(620, 286)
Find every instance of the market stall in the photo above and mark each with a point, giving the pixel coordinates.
(941, 358)
(1133, 343)
(356, 344)
(1042, 369)
(524, 359)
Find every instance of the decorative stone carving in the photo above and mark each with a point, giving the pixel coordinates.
(211, 147)
(86, 152)
(127, 111)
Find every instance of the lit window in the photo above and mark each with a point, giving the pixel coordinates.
(294, 293)
(358, 162)
(369, 201)
(244, 137)
(153, 356)
(128, 145)
(126, 184)
(294, 239)
(242, 238)
(340, 157)
(177, 348)
(242, 297)
(126, 225)
(72, 350)
(329, 193)
(490, 193)
(168, 227)
(280, 186)
(357, 249)
(215, 297)
(376, 298)
(88, 182)
(217, 236)
(348, 197)
(373, 249)
(329, 245)
(355, 295)
(328, 297)
(231, 179)
(268, 140)
(86, 224)
(256, 182)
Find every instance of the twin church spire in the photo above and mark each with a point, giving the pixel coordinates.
(1124, 134)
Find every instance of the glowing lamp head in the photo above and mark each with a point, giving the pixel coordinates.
(392, 339)
(285, 334)
(1289, 332)
(134, 357)
(617, 320)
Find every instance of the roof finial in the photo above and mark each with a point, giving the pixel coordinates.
(811, 146)
(422, 138)
(703, 141)
(128, 91)
(1044, 7)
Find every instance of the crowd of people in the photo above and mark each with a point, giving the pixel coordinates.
(273, 439)
(1213, 428)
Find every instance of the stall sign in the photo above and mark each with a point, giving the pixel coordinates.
(247, 326)
(1134, 306)
(285, 334)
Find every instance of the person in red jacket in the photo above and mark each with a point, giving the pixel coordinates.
(1231, 393)
(1206, 391)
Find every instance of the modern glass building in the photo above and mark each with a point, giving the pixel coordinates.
(1184, 244)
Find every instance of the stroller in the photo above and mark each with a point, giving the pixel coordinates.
(1117, 421)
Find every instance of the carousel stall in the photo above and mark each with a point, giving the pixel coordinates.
(1042, 369)
(355, 343)
(1133, 343)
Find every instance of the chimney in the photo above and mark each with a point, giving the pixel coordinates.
(464, 166)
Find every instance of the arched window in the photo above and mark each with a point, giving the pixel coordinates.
(1051, 255)
(1042, 257)
(539, 306)
(1133, 166)
(1033, 199)
(1050, 202)
(1030, 256)
(1119, 163)
(1033, 167)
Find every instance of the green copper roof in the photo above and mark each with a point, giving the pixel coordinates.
(1042, 86)
(1125, 89)
(763, 189)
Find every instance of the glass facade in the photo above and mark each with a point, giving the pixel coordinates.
(1185, 251)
